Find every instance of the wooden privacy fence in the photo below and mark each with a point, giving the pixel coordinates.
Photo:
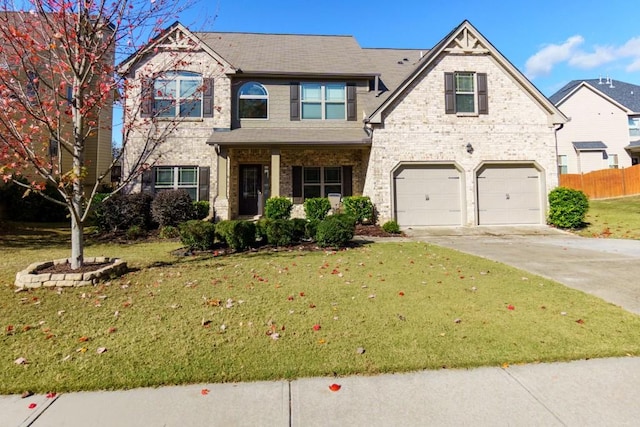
(605, 183)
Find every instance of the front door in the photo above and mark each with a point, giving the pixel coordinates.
(250, 189)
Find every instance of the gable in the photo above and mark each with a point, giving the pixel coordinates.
(466, 41)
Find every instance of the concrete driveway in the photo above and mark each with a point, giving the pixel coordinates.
(606, 268)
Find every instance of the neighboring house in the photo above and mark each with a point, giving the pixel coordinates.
(455, 135)
(604, 127)
(37, 84)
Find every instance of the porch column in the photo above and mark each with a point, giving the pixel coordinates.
(275, 172)
(223, 185)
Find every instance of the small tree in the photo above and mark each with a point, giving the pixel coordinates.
(57, 87)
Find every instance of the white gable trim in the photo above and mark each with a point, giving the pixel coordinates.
(176, 37)
(465, 39)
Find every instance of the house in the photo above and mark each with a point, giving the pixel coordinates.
(33, 71)
(604, 127)
(453, 135)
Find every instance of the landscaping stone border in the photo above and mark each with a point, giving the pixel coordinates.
(29, 278)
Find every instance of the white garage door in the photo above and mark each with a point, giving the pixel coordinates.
(428, 195)
(509, 194)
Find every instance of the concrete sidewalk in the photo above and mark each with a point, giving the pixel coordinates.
(583, 393)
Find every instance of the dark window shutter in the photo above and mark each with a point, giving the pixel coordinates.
(207, 98)
(449, 94)
(294, 99)
(146, 98)
(351, 102)
(483, 98)
(347, 181)
(148, 181)
(296, 177)
(203, 183)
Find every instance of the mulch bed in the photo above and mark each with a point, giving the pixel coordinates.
(66, 268)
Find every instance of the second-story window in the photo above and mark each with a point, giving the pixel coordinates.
(323, 101)
(178, 94)
(253, 101)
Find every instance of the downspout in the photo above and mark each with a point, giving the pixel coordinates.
(555, 134)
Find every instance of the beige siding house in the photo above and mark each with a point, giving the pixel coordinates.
(454, 135)
(604, 127)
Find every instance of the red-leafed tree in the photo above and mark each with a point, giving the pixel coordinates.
(58, 84)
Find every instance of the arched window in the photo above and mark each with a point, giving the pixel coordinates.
(178, 94)
(253, 101)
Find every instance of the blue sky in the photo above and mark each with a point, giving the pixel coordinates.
(552, 42)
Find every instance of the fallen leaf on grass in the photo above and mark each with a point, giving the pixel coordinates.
(111, 330)
(101, 350)
(26, 394)
(580, 322)
(510, 307)
(316, 327)
(360, 350)
(83, 339)
(20, 361)
(335, 387)
(401, 293)
(505, 365)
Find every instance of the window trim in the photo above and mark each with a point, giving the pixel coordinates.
(322, 184)
(480, 94)
(254, 97)
(614, 161)
(323, 100)
(175, 170)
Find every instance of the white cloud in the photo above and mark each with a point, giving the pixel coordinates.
(625, 56)
(544, 60)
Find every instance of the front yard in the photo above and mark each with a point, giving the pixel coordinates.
(617, 218)
(381, 307)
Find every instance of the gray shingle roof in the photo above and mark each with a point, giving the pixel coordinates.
(291, 136)
(626, 94)
(589, 145)
(290, 53)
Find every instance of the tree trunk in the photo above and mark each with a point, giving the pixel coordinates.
(77, 241)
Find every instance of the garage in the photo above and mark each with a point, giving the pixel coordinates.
(428, 195)
(509, 194)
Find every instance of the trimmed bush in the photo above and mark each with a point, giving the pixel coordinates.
(317, 208)
(280, 232)
(567, 207)
(278, 208)
(336, 230)
(172, 207)
(32, 207)
(360, 208)
(261, 229)
(169, 232)
(311, 228)
(238, 235)
(391, 227)
(299, 226)
(197, 235)
(122, 211)
(200, 209)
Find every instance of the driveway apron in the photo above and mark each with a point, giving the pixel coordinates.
(606, 268)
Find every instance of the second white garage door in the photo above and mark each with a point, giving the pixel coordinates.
(509, 194)
(428, 195)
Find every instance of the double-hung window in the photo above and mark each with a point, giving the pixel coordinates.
(634, 126)
(613, 161)
(178, 94)
(323, 101)
(466, 93)
(177, 178)
(563, 166)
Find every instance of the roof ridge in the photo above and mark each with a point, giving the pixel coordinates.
(274, 34)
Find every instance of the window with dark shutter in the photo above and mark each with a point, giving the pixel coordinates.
(449, 93)
(483, 101)
(294, 99)
(296, 177)
(203, 183)
(148, 181)
(207, 98)
(146, 97)
(351, 102)
(347, 179)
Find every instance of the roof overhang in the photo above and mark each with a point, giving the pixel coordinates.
(342, 76)
(272, 137)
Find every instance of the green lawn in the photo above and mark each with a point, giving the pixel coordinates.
(175, 320)
(615, 218)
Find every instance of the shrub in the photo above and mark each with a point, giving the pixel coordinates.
(169, 232)
(122, 211)
(391, 227)
(172, 207)
(317, 208)
(261, 228)
(135, 232)
(335, 230)
(299, 226)
(197, 235)
(200, 209)
(567, 207)
(311, 228)
(278, 208)
(280, 232)
(360, 208)
(32, 207)
(238, 235)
